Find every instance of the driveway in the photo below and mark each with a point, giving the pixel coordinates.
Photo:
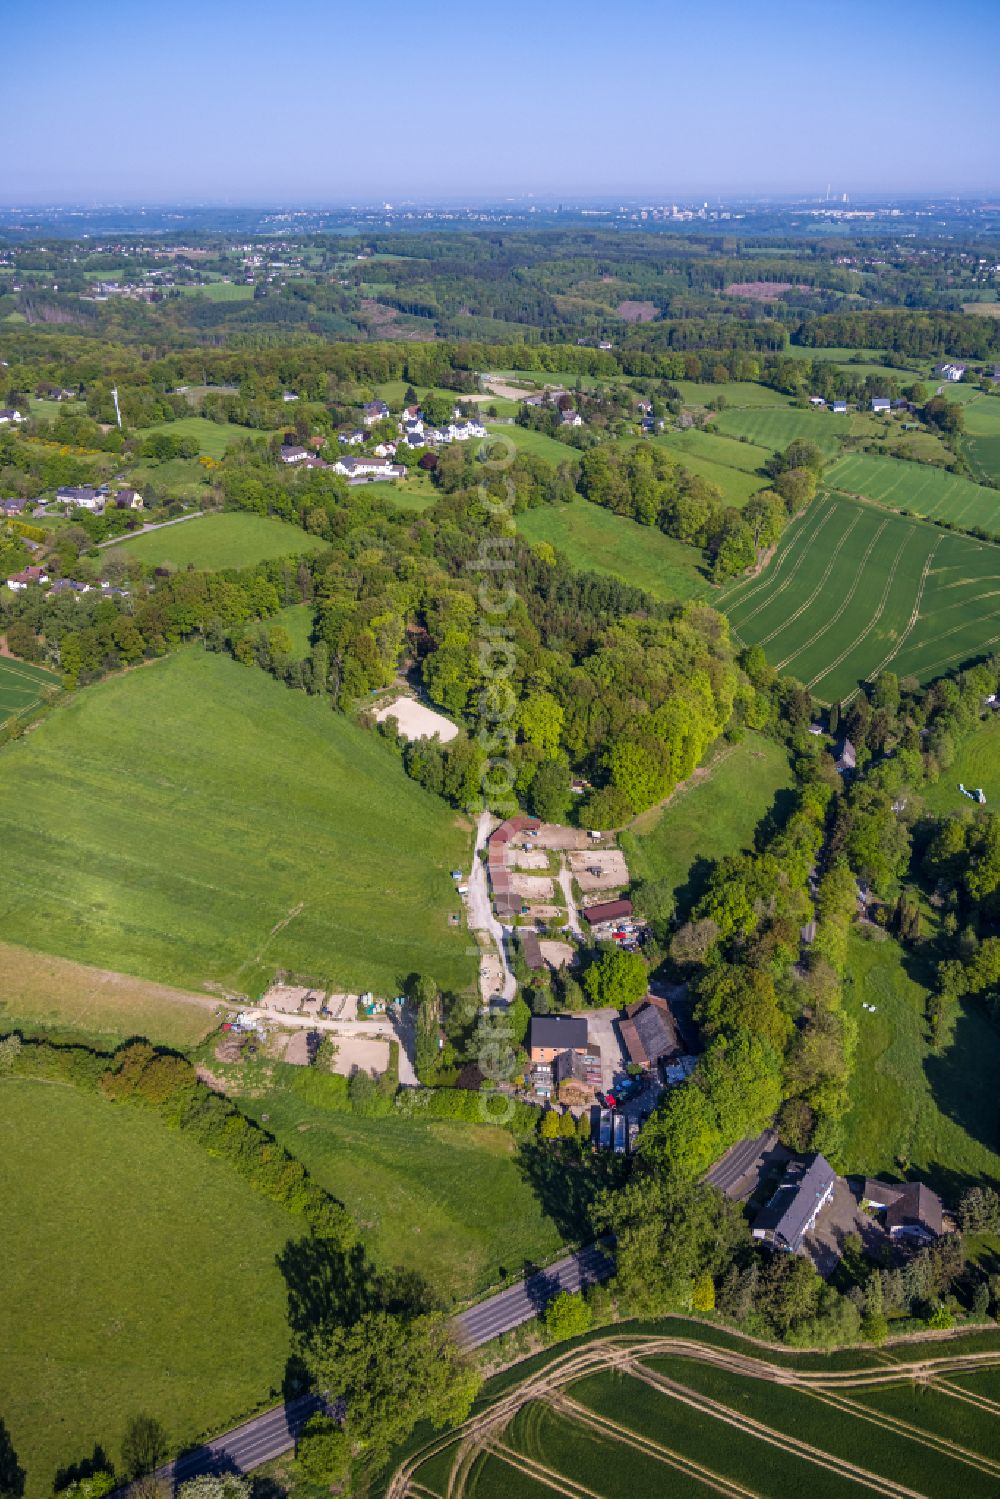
(572, 914)
(494, 982)
(153, 526)
(603, 1030)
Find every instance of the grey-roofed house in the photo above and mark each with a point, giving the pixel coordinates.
(912, 1210)
(548, 1035)
(791, 1214)
(848, 757)
(649, 1032)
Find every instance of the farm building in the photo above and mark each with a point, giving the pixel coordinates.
(881, 404)
(577, 1074)
(505, 901)
(791, 1214)
(839, 407)
(912, 1210)
(649, 1032)
(548, 1035)
(531, 949)
(128, 499)
(608, 910)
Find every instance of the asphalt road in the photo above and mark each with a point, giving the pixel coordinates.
(245, 1447)
(267, 1436)
(735, 1164)
(508, 1309)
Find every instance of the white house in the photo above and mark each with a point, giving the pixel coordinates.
(816, 401)
(384, 450)
(462, 431)
(17, 582)
(374, 411)
(84, 497)
(950, 371)
(289, 395)
(10, 414)
(128, 499)
(839, 407)
(364, 467)
(353, 439)
(571, 418)
(414, 440)
(881, 403)
(293, 453)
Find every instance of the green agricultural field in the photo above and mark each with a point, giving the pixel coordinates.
(595, 540)
(777, 428)
(918, 487)
(673, 1421)
(932, 1115)
(981, 443)
(221, 291)
(853, 590)
(23, 689)
(416, 1190)
(538, 443)
(213, 438)
(713, 814)
(738, 393)
(197, 823)
(977, 763)
(728, 451)
(224, 539)
(736, 484)
(139, 1274)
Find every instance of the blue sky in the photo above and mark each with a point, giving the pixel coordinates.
(315, 101)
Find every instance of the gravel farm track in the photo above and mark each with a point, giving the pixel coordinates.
(484, 1431)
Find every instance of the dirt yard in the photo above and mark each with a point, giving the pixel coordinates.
(297, 1049)
(415, 721)
(612, 870)
(289, 999)
(533, 885)
(528, 858)
(557, 954)
(554, 835)
(359, 1054)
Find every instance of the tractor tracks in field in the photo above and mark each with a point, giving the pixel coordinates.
(484, 1432)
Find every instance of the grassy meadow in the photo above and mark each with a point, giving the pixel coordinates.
(416, 1190)
(221, 291)
(713, 814)
(540, 444)
(919, 487)
(197, 823)
(213, 438)
(694, 442)
(737, 484)
(981, 442)
(223, 539)
(40, 994)
(139, 1274)
(595, 540)
(23, 688)
(853, 589)
(934, 1116)
(977, 763)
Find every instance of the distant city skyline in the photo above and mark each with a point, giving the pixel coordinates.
(319, 105)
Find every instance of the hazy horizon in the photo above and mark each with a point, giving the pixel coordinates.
(318, 106)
